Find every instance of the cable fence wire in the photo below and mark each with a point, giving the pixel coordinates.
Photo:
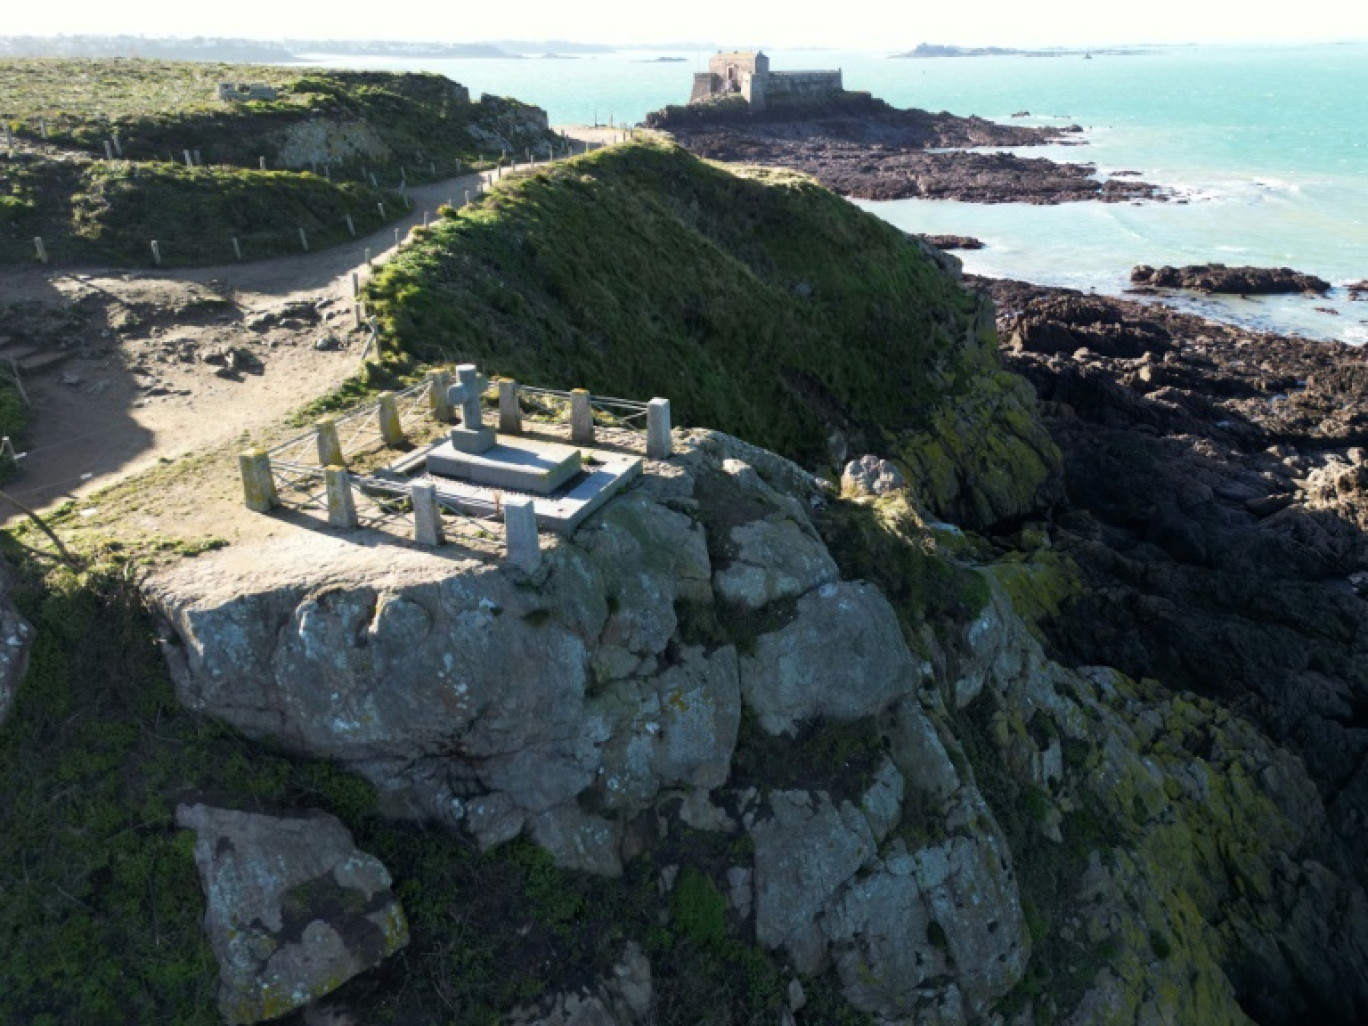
(299, 485)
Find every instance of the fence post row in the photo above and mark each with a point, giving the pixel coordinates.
(258, 487)
(329, 446)
(581, 417)
(341, 504)
(427, 516)
(659, 441)
(520, 533)
(510, 413)
(387, 413)
(441, 402)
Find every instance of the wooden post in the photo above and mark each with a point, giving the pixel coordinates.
(369, 263)
(199, 160)
(427, 515)
(351, 226)
(432, 166)
(237, 248)
(156, 252)
(581, 417)
(387, 413)
(381, 207)
(189, 158)
(425, 218)
(329, 446)
(341, 502)
(118, 148)
(396, 236)
(356, 284)
(510, 413)
(109, 150)
(304, 239)
(258, 487)
(42, 250)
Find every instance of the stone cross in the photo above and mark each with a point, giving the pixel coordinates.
(472, 436)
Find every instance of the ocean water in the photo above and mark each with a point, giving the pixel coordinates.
(1265, 149)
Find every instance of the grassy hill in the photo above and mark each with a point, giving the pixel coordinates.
(334, 143)
(759, 303)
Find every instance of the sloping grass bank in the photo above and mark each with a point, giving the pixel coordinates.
(763, 305)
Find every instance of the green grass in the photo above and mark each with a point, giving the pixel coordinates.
(764, 305)
(59, 186)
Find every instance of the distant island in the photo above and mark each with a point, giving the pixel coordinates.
(256, 51)
(929, 50)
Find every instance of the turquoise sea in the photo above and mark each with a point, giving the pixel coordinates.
(1266, 149)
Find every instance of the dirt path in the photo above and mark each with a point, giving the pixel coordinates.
(147, 379)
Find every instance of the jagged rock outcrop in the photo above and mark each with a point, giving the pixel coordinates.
(951, 823)
(294, 910)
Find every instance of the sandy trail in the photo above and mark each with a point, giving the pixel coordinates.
(125, 401)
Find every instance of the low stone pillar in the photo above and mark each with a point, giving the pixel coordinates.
(341, 503)
(427, 515)
(258, 487)
(520, 533)
(581, 418)
(329, 447)
(387, 412)
(441, 404)
(510, 413)
(659, 441)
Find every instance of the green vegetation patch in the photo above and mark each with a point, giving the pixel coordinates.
(765, 305)
(195, 213)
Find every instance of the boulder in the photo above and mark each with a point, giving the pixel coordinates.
(775, 560)
(293, 910)
(842, 656)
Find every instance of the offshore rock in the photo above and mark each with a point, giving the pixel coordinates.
(1244, 281)
(294, 910)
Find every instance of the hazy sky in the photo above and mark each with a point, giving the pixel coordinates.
(862, 24)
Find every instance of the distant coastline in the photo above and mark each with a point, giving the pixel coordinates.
(927, 51)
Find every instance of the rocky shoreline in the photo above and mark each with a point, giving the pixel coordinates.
(870, 150)
(1218, 490)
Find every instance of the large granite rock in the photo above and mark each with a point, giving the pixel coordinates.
(293, 909)
(841, 656)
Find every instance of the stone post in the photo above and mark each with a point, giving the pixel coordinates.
(304, 240)
(237, 248)
(258, 487)
(351, 226)
(261, 161)
(329, 447)
(156, 252)
(189, 159)
(510, 414)
(581, 417)
(520, 533)
(41, 249)
(341, 503)
(659, 442)
(109, 150)
(427, 515)
(441, 402)
(391, 431)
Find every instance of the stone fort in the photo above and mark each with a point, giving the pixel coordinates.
(746, 73)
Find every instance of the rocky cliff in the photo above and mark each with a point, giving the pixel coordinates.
(905, 797)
